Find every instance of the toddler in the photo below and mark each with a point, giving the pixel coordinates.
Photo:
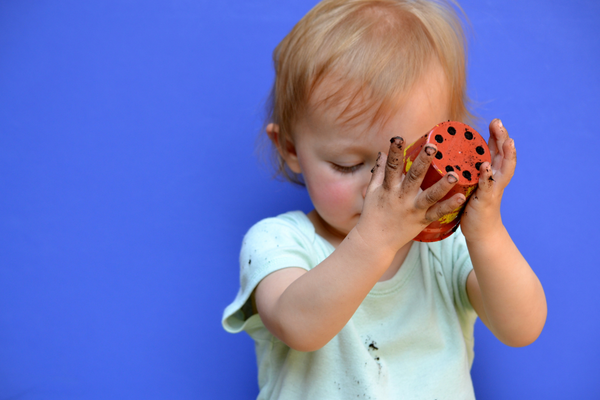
(341, 302)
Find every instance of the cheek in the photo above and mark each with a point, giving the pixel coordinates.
(333, 196)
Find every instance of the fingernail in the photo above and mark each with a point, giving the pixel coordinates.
(398, 141)
(461, 200)
(452, 178)
(378, 157)
(512, 143)
(430, 150)
(500, 123)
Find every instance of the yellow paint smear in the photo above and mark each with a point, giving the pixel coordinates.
(469, 191)
(446, 219)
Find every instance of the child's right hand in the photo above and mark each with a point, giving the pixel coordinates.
(293, 303)
(395, 209)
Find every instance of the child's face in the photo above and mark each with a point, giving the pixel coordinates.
(336, 160)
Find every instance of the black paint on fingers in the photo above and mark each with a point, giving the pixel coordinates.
(398, 141)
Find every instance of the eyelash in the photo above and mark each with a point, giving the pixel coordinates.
(346, 170)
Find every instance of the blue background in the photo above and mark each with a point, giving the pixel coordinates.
(128, 177)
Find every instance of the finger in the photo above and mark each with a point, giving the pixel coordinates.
(486, 178)
(393, 164)
(498, 136)
(416, 173)
(377, 172)
(451, 205)
(435, 193)
(492, 140)
(509, 163)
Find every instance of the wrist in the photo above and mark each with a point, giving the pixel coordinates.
(491, 234)
(371, 244)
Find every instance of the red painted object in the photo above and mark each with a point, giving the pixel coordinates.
(460, 149)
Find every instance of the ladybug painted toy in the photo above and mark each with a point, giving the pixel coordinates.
(460, 149)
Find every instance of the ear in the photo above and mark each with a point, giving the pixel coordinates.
(285, 146)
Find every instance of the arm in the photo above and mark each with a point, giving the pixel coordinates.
(503, 289)
(306, 309)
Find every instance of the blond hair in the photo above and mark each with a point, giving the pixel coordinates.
(374, 51)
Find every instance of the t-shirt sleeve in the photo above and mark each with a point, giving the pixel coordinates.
(461, 268)
(270, 245)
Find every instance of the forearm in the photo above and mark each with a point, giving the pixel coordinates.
(319, 303)
(511, 295)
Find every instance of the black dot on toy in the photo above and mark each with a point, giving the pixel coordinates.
(480, 150)
(478, 166)
(452, 131)
(469, 135)
(467, 175)
(449, 168)
(457, 167)
(439, 138)
(439, 155)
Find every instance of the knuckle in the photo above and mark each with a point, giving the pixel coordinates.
(420, 165)
(435, 215)
(443, 211)
(413, 174)
(431, 197)
(432, 216)
(392, 163)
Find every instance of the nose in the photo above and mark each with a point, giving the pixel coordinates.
(364, 189)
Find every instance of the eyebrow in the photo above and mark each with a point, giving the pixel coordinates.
(341, 150)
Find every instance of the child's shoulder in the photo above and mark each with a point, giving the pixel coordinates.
(294, 223)
(290, 230)
(285, 240)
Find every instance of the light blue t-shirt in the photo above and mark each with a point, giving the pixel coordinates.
(411, 338)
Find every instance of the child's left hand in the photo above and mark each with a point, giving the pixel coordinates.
(482, 213)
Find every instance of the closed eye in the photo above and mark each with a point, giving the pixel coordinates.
(346, 170)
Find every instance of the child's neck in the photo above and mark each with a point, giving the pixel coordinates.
(335, 241)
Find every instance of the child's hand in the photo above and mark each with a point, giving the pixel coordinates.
(395, 208)
(502, 287)
(482, 214)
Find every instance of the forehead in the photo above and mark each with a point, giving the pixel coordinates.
(353, 110)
